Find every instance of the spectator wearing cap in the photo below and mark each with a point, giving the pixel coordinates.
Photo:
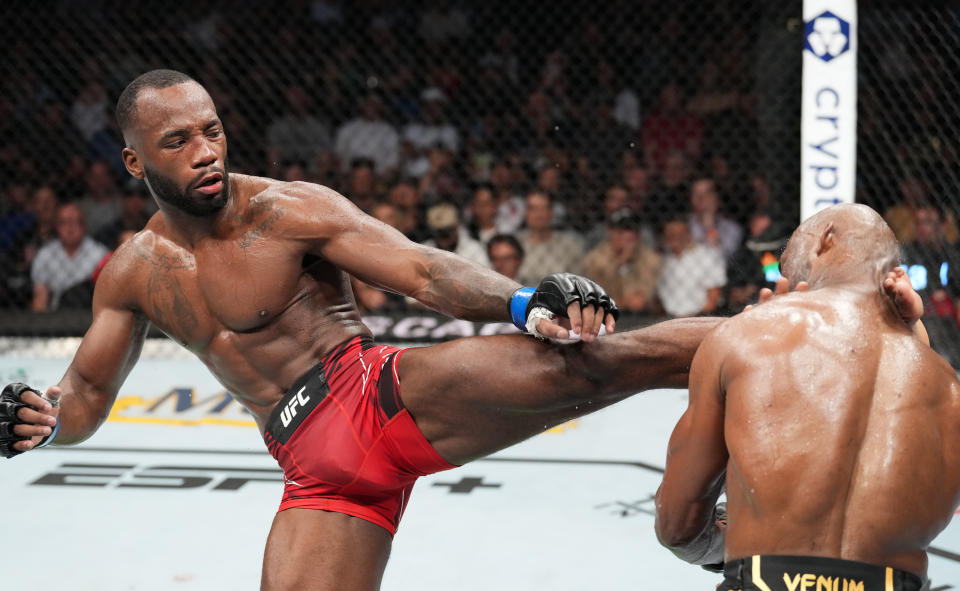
(547, 250)
(626, 267)
(709, 226)
(430, 131)
(65, 262)
(447, 233)
(692, 275)
(506, 255)
(369, 136)
(755, 264)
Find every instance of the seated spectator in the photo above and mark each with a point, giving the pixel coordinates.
(901, 216)
(933, 265)
(406, 199)
(17, 222)
(441, 181)
(506, 255)
(369, 136)
(623, 265)
(135, 212)
(511, 206)
(693, 274)
(670, 194)
(65, 262)
(101, 201)
(482, 219)
(447, 233)
(671, 127)
(755, 264)
(296, 135)
(604, 138)
(546, 250)
(430, 130)
(707, 225)
(362, 186)
(616, 198)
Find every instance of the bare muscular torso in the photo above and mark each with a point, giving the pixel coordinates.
(842, 432)
(249, 300)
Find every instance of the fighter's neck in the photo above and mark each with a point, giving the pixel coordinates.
(189, 230)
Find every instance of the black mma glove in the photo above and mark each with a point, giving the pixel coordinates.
(559, 290)
(720, 519)
(10, 405)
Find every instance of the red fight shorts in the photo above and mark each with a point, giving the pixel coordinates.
(344, 439)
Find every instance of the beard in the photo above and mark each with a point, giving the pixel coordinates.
(166, 190)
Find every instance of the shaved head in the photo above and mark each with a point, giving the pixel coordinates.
(859, 232)
(127, 103)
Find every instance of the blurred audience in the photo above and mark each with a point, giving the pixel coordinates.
(693, 274)
(447, 233)
(623, 265)
(64, 263)
(546, 249)
(369, 136)
(296, 135)
(933, 265)
(707, 225)
(506, 255)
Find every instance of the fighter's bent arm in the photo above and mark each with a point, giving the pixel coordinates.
(106, 355)
(696, 465)
(382, 256)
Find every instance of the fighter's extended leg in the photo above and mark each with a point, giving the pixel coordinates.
(474, 396)
(311, 550)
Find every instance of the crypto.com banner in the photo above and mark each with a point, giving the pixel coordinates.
(829, 116)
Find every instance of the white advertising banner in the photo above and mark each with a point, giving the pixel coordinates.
(828, 124)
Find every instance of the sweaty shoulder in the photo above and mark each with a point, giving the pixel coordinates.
(299, 209)
(777, 323)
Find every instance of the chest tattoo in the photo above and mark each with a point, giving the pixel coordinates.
(261, 227)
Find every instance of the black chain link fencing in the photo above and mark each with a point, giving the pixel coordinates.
(652, 146)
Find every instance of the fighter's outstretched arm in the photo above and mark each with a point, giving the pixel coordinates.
(696, 465)
(380, 255)
(107, 353)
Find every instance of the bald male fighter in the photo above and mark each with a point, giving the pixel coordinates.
(250, 274)
(835, 431)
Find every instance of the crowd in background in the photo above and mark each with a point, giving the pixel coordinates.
(627, 150)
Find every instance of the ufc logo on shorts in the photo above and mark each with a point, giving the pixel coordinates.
(290, 410)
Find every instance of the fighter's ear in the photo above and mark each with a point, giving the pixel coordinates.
(828, 239)
(132, 161)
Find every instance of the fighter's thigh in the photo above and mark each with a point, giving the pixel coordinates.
(312, 550)
(472, 396)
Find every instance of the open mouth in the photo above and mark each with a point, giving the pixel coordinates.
(210, 184)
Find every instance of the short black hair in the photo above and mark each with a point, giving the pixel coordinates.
(508, 239)
(127, 103)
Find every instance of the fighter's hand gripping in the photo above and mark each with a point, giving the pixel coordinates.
(564, 308)
(27, 420)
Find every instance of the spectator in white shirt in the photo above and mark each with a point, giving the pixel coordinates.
(369, 136)
(65, 262)
(431, 130)
(693, 274)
